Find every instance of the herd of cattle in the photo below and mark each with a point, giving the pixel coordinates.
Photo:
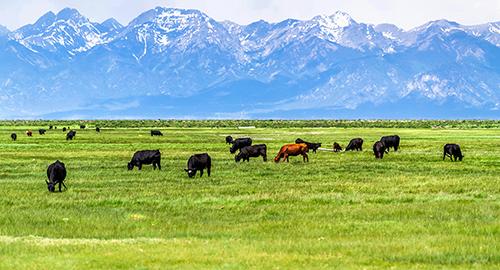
(56, 172)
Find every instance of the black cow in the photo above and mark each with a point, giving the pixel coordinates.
(97, 129)
(42, 131)
(337, 147)
(13, 136)
(311, 146)
(252, 151)
(50, 127)
(240, 143)
(82, 126)
(355, 144)
(391, 141)
(56, 172)
(71, 134)
(229, 139)
(379, 149)
(64, 129)
(156, 133)
(145, 157)
(198, 162)
(453, 151)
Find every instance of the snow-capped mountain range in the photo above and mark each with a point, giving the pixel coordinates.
(176, 63)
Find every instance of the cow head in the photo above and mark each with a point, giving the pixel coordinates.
(191, 173)
(130, 166)
(461, 157)
(237, 158)
(51, 186)
(232, 150)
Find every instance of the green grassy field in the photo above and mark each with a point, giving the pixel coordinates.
(410, 210)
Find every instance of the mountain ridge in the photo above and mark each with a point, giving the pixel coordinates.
(330, 62)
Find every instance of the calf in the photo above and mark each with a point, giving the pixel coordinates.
(50, 127)
(239, 143)
(337, 147)
(252, 151)
(229, 140)
(312, 146)
(379, 149)
(13, 136)
(145, 157)
(56, 172)
(156, 133)
(42, 131)
(64, 129)
(97, 129)
(391, 141)
(29, 133)
(198, 162)
(453, 151)
(292, 150)
(355, 144)
(71, 134)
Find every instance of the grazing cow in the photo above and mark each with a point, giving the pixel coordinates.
(453, 151)
(13, 136)
(252, 151)
(71, 134)
(29, 133)
(337, 147)
(50, 127)
(229, 139)
(379, 149)
(97, 129)
(292, 150)
(64, 129)
(82, 126)
(42, 131)
(240, 143)
(312, 146)
(198, 162)
(156, 133)
(56, 172)
(145, 157)
(355, 144)
(391, 141)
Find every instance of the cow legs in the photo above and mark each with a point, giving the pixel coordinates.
(154, 166)
(139, 166)
(208, 171)
(264, 157)
(159, 166)
(285, 157)
(201, 172)
(444, 155)
(64, 185)
(60, 190)
(305, 157)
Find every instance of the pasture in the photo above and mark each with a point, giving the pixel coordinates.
(340, 210)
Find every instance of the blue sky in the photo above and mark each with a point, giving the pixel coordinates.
(404, 13)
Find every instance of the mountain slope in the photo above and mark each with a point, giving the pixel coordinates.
(179, 63)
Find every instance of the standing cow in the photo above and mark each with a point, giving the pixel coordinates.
(97, 129)
(156, 133)
(312, 146)
(292, 150)
(13, 136)
(379, 149)
(355, 144)
(71, 134)
(82, 126)
(239, 143)
(337, 147)
(56, 172)
(391, 141)
(453, 151)
(198, 162)
(42, 131)
(145, 157)
(29, 133)
(252, 151)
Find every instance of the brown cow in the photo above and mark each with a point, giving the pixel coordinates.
(292, 150)
(29, 133)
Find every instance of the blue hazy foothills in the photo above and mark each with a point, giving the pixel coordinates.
(181, 63)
